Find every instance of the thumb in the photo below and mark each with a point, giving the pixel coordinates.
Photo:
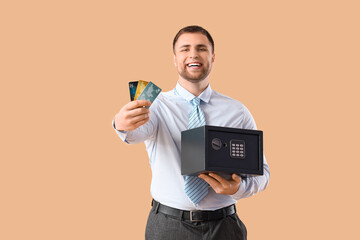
(236, 178)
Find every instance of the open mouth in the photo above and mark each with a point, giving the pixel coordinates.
(194, 65)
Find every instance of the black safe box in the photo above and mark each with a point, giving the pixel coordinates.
(221, 149)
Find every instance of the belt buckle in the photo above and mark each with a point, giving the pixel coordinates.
(191, 217)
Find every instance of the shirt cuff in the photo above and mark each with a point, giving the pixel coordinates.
(121, 134)
(241, 190)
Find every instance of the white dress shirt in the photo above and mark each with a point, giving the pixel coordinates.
(169, 115)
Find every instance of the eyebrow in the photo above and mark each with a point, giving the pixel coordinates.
(188, 45)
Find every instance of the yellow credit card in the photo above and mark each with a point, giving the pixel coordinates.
(140, 87)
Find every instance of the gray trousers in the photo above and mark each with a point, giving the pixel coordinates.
(164, 227)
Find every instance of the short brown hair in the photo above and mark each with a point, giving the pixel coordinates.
(194, 29)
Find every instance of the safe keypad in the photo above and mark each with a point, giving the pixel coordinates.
(237, 148)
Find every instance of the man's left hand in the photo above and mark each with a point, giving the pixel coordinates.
(220, 184)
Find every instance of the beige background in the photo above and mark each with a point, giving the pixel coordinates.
(65, 68)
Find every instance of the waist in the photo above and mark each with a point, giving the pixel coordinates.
(171, 193)
(193, 216)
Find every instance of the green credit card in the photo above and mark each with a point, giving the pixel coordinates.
(150, 92)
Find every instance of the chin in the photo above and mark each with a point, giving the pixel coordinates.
(194, 79)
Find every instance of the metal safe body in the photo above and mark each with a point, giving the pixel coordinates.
(221, 149)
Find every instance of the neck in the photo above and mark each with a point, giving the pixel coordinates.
(195, 88)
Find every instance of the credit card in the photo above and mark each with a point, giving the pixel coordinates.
(132, 88)
(140, 87)
(150, 92)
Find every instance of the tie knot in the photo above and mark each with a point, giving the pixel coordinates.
(195, 101)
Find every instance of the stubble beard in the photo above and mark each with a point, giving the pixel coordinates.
(194, 79)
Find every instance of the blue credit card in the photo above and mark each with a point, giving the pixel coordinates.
(150, 92)
(132, 88)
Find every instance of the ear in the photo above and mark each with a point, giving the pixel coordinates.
(213, 58)
(175, 60)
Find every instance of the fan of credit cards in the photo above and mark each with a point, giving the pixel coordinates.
(143, 90)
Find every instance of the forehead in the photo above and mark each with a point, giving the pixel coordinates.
(192, 39)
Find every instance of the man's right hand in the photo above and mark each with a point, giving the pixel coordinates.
(132, 115)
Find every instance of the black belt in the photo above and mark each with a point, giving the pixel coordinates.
(194, 216)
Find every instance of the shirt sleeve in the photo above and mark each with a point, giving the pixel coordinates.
(142, 133)
(251, 185)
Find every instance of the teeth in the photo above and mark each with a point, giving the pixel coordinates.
(193, 65)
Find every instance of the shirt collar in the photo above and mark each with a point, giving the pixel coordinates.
(204, 96)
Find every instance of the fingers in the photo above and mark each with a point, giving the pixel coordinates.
(141, 117)
(221, 185)
(132, 115)
(136, 121)
(219, 178)
(136, 112)
(137, 104)
(236, 178)
(211, 181)
(138, 124)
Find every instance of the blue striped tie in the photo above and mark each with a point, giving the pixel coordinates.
(196, 188)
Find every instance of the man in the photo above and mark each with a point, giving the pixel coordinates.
(189, 207)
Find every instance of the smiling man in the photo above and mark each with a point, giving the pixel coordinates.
(186, 207)
(192, 57)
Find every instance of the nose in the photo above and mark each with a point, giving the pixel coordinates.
(194, 53)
